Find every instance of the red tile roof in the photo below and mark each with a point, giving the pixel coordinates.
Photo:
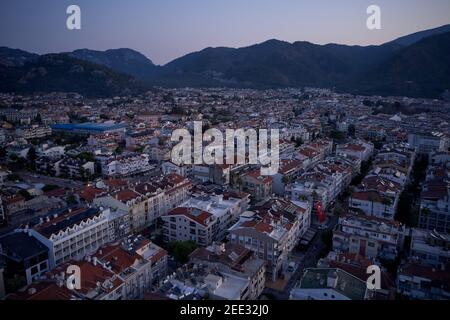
(200, 218)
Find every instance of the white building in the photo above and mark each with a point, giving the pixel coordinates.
(329, 284)
(359, 149)
(428, 142)
(374, 203)
(430, 248)
(73, 234)
(225, 207)
(125, 165)
(368, 236)
(190, 224)
(145, 202)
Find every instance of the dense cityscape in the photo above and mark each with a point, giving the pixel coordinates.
(220, 159)
(89, 183)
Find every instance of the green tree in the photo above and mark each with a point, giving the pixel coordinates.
(31, 158)
(87, 156)
(49, 187)
(13, 177)
(3, 153)
(25, 194)
(118, 150)
(180, 250)
(71, 200)
(352, 130)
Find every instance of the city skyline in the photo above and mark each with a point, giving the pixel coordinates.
(166, 31)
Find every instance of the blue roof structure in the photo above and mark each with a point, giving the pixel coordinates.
(19, 246)
(98, 127)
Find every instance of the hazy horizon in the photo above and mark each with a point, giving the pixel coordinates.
(164, 31)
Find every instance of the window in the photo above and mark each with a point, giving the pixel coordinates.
(34, 270)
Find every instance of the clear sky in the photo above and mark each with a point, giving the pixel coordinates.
(167, 29)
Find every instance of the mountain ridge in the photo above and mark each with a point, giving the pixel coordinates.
(272, 64)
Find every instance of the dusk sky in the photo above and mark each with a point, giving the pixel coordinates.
(164, 30)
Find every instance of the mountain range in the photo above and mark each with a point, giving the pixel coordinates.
(417, 65)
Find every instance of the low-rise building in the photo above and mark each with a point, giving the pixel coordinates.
(426, 142)
(430, 248)
(24, 256)
(272, 230)
(190, 224)
(359, 149)
(33, 132)
(125, 165)
(330, 284)
(259, 187)
(236, 260)
(370, 237)
(419, 282)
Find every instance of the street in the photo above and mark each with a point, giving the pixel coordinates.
(307, 259)
(37, 178)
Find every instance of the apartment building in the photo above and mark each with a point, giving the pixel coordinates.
(146, 202)
(430, 248)
(168, 167)
(73, 233)
(74, 168)
(226, 207)
(330, 284)
(426, 142)
(24, 256)
(374, 203)
(294, 214)
(435, 196)
(260, 187)
(359, 149)
(118, 271)
(268, 240)
(235, 260)
(124, 165)
(288, 171)
(137, 262)
(2, 212)
(218, 174)
(190, 224)
(33, 132)
(309, 191)
(369, 237)
(419, 282)
(400, 156)
(52, 152)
